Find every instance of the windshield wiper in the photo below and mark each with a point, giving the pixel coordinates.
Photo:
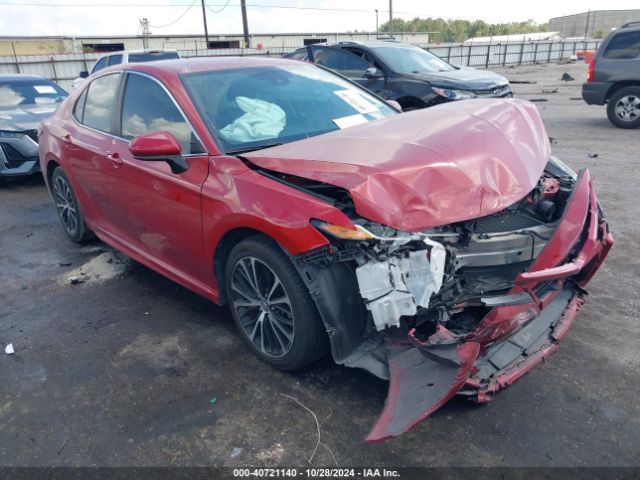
(251, 149)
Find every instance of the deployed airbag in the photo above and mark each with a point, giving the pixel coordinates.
(261, 121)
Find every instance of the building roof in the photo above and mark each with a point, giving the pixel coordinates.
(517, 37)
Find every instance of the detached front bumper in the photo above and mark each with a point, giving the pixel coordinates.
(512, 338)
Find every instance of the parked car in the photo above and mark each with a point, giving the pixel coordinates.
(25, 100)
(444, 248)
(614, 76)
(125, 56)
(405, 73)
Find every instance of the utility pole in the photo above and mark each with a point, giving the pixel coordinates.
(144, 23)
(377, 35)
(245, 24)
(391, 18)
(586, 25)
(204, 18)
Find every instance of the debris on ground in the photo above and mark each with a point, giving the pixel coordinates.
(76, 279)
(575, 98)
(319, 443)
(64, 444)
(552, 140)
(566, 77)
(550, 90)
(106, 266)
(538, 100)
(213, 400)
(592, 155)
(9, 349)
(236, 452)
(522, 82)
(273, 454)
(64, 264)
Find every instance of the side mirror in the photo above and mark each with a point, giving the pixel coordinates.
(372, 72)
(395, 105)
(159, 146)
(83, 74)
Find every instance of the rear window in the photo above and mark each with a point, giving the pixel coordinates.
(623, 46)
(152, 56)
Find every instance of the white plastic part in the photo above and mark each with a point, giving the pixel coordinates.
(396, 287)
(9, 349)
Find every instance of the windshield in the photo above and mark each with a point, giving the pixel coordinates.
(152, 56)
(29, 91)
(252, 108)
(412, 59)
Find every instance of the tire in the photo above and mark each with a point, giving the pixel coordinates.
(287, 333)
(623, 108)
(68, 208)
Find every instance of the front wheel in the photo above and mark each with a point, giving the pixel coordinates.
(623, 108)
(68, 209)
(272, 307)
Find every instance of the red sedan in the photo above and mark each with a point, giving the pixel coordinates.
(443, 249)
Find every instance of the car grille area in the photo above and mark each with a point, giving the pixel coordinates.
(13, 158)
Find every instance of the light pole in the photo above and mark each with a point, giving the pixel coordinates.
(206, 30)
(391, 18)
(377, 35)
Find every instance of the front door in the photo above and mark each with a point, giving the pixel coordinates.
(159, 211)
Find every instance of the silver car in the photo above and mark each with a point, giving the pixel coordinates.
(25, 100)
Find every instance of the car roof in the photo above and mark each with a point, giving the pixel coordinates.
(199, 64)
(21, 76)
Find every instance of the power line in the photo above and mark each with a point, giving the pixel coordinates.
(177, 19)
(253, 5)
(217, 11)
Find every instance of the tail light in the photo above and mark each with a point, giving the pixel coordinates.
(592, 66)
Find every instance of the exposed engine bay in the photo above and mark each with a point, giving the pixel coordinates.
(450, 275)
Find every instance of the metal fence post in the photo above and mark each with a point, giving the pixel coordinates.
(449, 54)
(549, 53)
(486, 61)
(53, 69)
(521, 52)
(504, 55)
(535, 53)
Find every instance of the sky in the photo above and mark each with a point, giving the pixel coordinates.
(121, 17)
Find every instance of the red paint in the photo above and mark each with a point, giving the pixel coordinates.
(154, 144)
(427, 167)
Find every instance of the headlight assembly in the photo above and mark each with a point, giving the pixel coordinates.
(454, 94)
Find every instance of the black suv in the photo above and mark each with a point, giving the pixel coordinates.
(614, 76)
(405, 73)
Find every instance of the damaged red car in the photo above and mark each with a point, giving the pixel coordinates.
(445, 249)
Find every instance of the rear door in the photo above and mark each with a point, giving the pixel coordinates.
(159, 212)
(341, 61)
(88, 139)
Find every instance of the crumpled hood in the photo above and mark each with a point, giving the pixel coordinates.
(425, 168)
(25, 117)
(464, 78)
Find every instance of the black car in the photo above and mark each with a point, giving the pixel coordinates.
(25, 100)
(614, 76)
(405, 73)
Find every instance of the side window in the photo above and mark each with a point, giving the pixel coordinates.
(343, 62)
(299, 55)
(100, 64)
(115, 60)
(146, 107)
(623, 46)
(366, 57)
(78, 108)
(101, 102)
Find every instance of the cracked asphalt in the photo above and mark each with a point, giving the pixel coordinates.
(132, 369)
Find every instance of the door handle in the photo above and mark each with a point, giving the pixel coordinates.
(115, 158)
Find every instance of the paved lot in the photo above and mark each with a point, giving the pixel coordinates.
(124, 371)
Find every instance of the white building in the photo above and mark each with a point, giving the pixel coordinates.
(517, 38)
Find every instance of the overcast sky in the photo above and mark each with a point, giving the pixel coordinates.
(121, 17)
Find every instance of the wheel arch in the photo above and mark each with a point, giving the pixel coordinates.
(619, 86)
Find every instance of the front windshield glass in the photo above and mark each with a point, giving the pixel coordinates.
(251, 108)
(32, 91)
(412, 59)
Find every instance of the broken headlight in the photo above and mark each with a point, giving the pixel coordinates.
(343, 233)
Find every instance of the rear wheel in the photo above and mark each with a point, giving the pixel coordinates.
(272, 307)
(623, 108)
(68, 209)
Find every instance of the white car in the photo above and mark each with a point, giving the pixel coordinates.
(125, 56)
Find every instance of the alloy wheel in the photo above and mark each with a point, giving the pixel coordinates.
(263, 307)
(628, 108)
(66, 205)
